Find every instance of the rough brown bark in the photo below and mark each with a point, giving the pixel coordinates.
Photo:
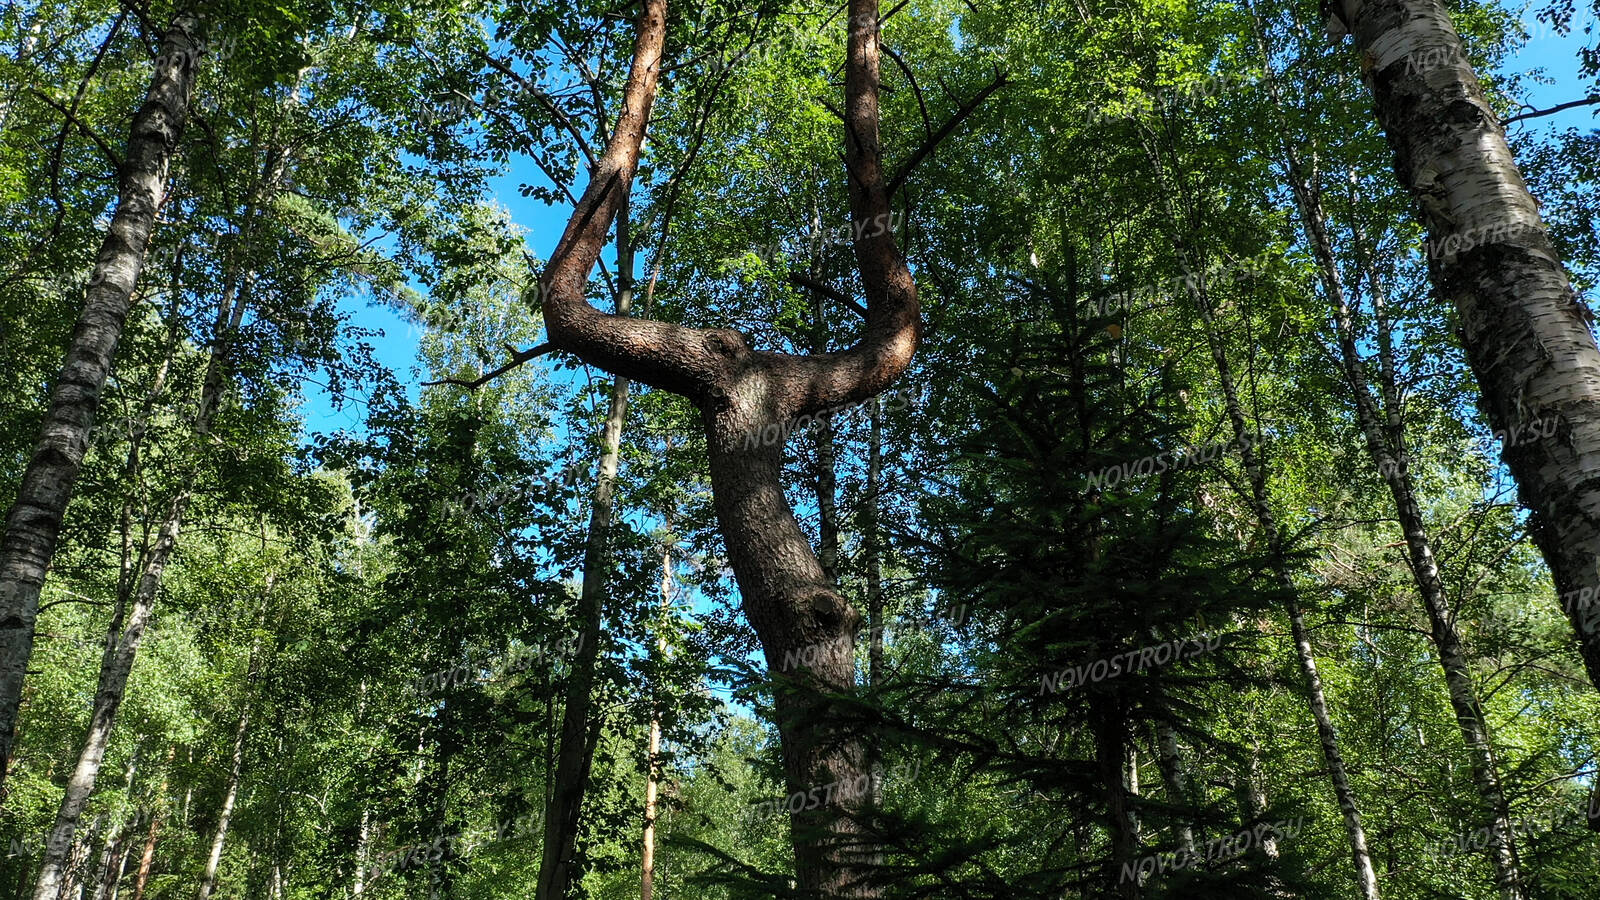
(1526, 335)
(34, 523)
(743, 396)
(872, 549)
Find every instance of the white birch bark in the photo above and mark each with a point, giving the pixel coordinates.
(33, 525)
(1527, 337)
(1386, 450)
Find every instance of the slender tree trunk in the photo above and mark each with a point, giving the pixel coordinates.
(149, 855)
(1170, 761)
(34, 523)
(653, 763)
(1266, 520)
(872, 549)
(1527, 336)
(1111, 753)
(1254, 800)
(363, 841)
(578, 733)
(108, 699)
(122, 649)
(1387, 452)
(208, 881)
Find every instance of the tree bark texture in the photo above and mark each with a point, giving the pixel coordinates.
(1526, 335)
(34, 523)
(744, 396)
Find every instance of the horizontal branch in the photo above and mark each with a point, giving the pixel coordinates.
(1560, 107)
(518, 357)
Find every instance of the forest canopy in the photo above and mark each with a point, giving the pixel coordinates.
(776, 448)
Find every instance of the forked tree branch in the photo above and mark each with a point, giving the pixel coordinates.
(707, 365)
(1001, 79)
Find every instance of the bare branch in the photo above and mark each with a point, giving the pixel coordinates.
(518, 357)
(827, 290)
(1001, 79)
(1560, 107)
(90, 133)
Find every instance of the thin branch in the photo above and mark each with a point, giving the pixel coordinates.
(916, 89)
(72, 118)
(73, 598)
(556, 112)
(1560, 107)
(967, 109)
(518, 357)
(827, 290)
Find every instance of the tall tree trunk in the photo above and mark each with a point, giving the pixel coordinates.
(108, 699)
(208, 880)
(1526, 335)
(872, 549)
(1267, 523)
(1386, 448)
(578, 733)
(122, 649)
(653, 763)
(1111, 754)
(806, 628)
(156, 807)
(34, 523)
(1170, 760)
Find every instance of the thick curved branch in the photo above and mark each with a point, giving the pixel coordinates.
(709, 365)
(682, 360)
(894, 326)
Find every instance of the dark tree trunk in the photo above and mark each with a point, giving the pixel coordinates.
(806, 628)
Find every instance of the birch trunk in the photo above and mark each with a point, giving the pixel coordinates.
(34, 523)
(653, 773)
(1266, 520)
(122, 649)
(1386, 450)
(208, 881)
(578, 733)
(1170, 761)
(1526, 335)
